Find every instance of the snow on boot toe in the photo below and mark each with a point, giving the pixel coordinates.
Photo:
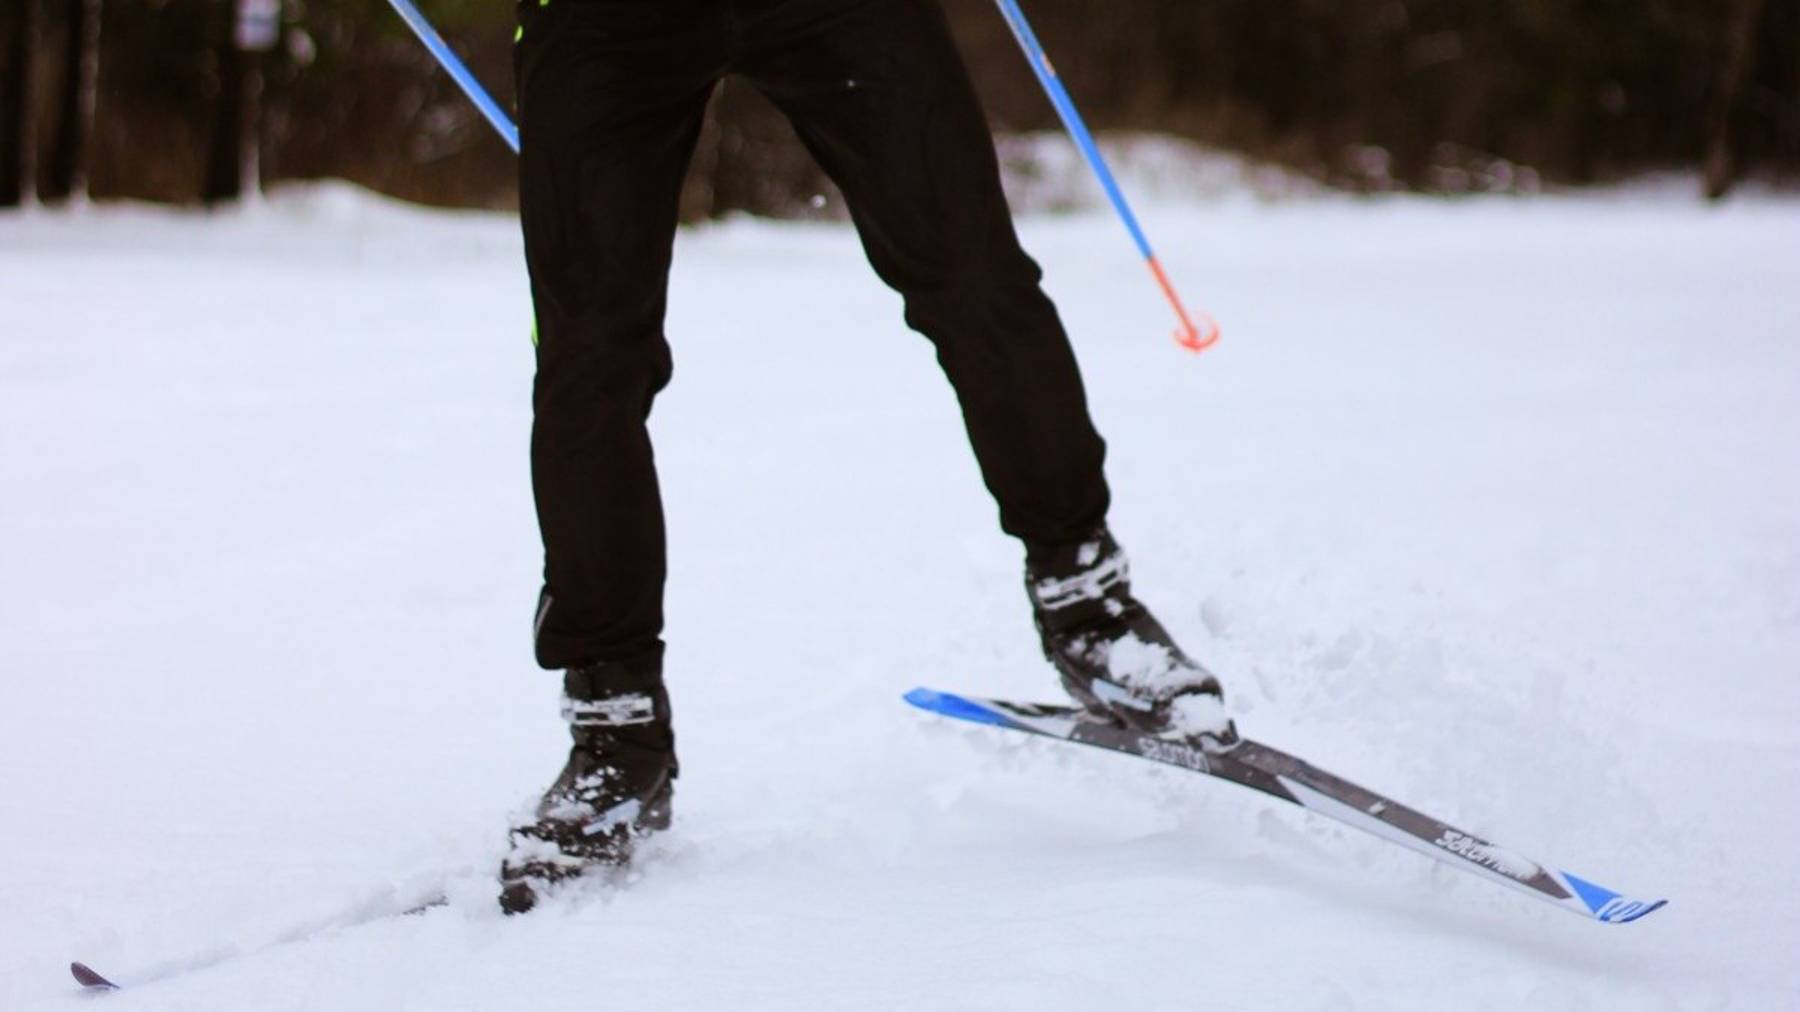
(1201, 716)
(1114, 657)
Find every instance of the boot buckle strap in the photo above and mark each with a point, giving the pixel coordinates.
(1087, 585)
(616, 711)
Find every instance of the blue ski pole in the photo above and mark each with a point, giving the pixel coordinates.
(1192, 337)
(454, 66)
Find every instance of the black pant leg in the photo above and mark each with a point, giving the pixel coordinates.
(611, 97)
(878, 92)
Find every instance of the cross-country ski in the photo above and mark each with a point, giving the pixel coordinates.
(1275, 773)
(369, 911)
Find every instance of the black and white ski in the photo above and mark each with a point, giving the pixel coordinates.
(369, 913)
(1280, 775)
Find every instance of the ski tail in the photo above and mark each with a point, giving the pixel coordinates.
(1278, 774)
(87, 978)
(379, 909)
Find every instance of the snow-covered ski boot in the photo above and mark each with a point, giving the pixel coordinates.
(616, 787)
(1114, 657)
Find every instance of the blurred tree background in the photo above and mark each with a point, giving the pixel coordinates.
(1433, 95)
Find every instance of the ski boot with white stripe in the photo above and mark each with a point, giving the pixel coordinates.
(615, 789)
(1114, 657)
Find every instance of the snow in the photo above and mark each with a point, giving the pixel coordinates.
(1199, 713)
(1490, 505)
(1139, 663)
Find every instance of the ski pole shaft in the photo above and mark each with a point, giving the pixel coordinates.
(1192, 336)
(454, 66)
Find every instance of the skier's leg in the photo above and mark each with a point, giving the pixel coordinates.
(878, 93)
(610, 104)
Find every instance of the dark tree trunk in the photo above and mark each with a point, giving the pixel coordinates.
(65, 171)
(225, 157)
(20, 28)
(1721, 167)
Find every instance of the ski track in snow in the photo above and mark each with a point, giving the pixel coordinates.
(1491, 505)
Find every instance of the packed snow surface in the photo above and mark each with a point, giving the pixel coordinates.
(1493, 506)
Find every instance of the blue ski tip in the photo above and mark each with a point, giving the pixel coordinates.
(1609, 906)
(954, 706)
(1653, 907)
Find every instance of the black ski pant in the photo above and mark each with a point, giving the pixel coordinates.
(611, 96)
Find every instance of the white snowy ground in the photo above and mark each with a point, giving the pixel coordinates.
(1493, 505)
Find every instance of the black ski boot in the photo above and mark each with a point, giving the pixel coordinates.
(615, 789)
(1114, 657)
